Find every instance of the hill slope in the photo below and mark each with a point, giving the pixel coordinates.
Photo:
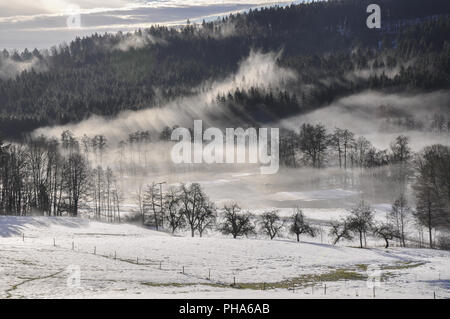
(35, 267)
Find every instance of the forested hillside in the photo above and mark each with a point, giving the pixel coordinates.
(326, 43)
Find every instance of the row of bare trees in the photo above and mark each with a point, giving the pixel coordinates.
(188, 207)
(314, 146)
(181, 207)
(42, 176)
(359, 224)
(46, 176)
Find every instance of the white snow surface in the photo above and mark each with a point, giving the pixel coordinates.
(37, 260)
(313, 195)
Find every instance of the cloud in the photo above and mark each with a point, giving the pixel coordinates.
(10, 68)
(136, 41)
(41, 24)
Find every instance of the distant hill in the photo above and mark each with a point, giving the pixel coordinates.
(327, 43)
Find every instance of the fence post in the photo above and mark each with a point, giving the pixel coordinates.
(54, 242)
(115, 255)
(434, 294)
(183, 270)
(95, 250)
(160, 265)
(137, 260)
(325, 289)
(73, 246)
(234, 281)
(374, 291)
(209, 274)
(23, 237)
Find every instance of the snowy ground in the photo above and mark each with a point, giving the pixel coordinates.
(126, 261)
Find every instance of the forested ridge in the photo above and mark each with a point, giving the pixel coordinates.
(109, 73)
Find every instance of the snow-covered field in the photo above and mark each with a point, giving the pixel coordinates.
(44, 257)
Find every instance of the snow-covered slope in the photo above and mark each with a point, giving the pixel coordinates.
(42, 257)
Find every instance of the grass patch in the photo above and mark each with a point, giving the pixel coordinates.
(301, 281)
(358, 272)
(180, 285)
(362, 267)
(307, 280)
(402, 265)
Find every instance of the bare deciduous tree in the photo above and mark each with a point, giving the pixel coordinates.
(236, 223)
(152, 204)
(196, 207)
(172, 207)
(399, 214)
(339, 230)
(432, 189)
(360, 221)
(271, 224)
(299, 225)
(386, 231)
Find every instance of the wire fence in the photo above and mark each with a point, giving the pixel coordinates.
(205, 275)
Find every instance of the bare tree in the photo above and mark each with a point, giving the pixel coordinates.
(339, 230)
(140, 202)
(152, 203)
(76, 179)
(300, 226)
(341, 140)
(313, 142)
(117, 196)
(401, 152)
(235, 222)
(399, 214)
(207, 217)
(360, 221)
(432, 189)
(99, 144)
(386, 231)
(271, 224)
(195, 207)
(172, 207)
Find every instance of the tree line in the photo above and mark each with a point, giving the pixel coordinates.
(51, 177)
(314, 146)
(188, 208)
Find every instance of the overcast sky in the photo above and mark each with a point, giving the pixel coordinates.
(43, 23)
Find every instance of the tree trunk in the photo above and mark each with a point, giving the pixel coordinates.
(429, 226)
(298, 237)
(431, 236)
(360, 240)
(387, 243)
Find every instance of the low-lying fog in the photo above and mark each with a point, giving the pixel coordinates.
(374, 115)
